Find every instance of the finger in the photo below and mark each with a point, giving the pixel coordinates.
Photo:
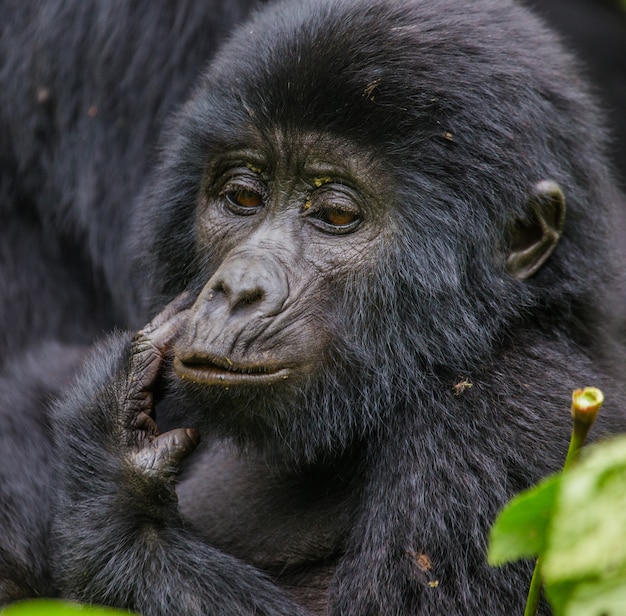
(146, 424)
(149, 346)
(166, 324)
(166, 452)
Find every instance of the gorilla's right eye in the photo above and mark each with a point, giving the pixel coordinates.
(243, 201)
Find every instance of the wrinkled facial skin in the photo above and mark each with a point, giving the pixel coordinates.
(284, 223)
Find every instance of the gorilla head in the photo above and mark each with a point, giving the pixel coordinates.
(366, 200)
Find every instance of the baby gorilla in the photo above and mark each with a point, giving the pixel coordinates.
(384, 229)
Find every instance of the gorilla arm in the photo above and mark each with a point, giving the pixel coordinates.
(121, 540)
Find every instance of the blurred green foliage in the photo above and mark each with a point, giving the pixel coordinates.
(49, 607)
(575, 523)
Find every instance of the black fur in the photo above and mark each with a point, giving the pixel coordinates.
(86, 88)
(368, 487)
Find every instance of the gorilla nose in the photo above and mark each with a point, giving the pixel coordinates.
(250, 284)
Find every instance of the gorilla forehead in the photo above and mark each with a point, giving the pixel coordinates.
(379, 71)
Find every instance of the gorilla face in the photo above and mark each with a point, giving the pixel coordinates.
(283, 225)
(286, 222)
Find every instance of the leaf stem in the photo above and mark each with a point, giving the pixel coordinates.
(585, 406)
(534, 592)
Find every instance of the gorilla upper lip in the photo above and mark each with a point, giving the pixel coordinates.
(211, 369)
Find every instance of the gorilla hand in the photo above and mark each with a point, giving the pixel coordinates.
(119, 537)
(151, 452)
(108, 444)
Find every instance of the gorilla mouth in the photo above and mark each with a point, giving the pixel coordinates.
(214, 370)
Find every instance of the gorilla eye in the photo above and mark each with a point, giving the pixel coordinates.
(244, 201)
(336, 220)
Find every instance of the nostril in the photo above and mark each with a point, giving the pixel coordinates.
(247, 297)
(220, 287)
(238, 296)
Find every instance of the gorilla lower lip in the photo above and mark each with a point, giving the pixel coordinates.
(221, 371)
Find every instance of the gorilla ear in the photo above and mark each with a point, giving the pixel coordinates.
(535, 237)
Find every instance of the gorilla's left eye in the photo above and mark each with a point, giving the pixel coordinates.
(244, 201)
(336, 220)
(336, 217)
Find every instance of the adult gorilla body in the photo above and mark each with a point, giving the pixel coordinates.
(382, 310)
(85, 88)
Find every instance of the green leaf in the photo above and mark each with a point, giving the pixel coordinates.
(520, 529)
(586, 536)
(585, 558)
(598, 597)
(46, 607)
